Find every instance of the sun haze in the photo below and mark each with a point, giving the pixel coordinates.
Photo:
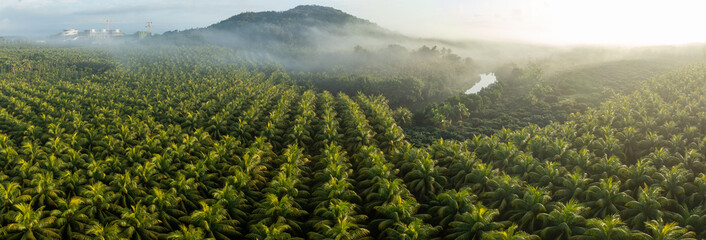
(624, 22)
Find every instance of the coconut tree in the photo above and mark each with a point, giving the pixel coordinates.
(28, 223)
(564, 221)
(44, 191)
(234, 202)
(276, 231)
(424, 179)
(10, 195)
(606, 199)
(339, 220)
(525, 210)
(648, 206)
(166, 205)
(664, 231)
(187, 233)
(71, 219)
(215, 222)
(674, 182)
(127, 188)
(278, 210)
(138, 223)
(608, 228)
(503, 190)
(474, 223)
(415, 230)
(639, 174)
(100, 202)
(510, 233)
(574, 186)
(691, 219)
(104, 232)
(449, 204)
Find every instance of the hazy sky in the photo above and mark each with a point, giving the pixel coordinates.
(551, 21)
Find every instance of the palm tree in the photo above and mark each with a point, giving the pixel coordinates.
(10, 195)
(509, 234)
(44, 191)
(424, 179)
(214, 220)
(101, 232)
(691, 219)
(334, 188)
(187, 233)
(415, 230)
(607, 228)
(252, 165)
(503, 190)
(522, 165)
(281, 210)
(648, 206)
(564, 221)
(525, 210)
(606, 167)
(384, 191)
(639, 174)
(127, 188)
(547, 175)
(477, 175)
(661, 158)
(72, 182)
(166, 205)
(574, 186)
(234, 202)
(71, 219)
(449, 204)
(661, 231)
(398, 210)
(137, 223)
(339, 220)
(606, 198)
(185, 191)
(630, 138)
(28, 223)
(674, 182)
(276, 231)
(100, 202)
(473, 224)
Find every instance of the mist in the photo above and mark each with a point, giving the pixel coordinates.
(329, 49)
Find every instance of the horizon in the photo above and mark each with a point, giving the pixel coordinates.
(550, 22)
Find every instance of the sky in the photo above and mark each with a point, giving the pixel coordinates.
(616, 22)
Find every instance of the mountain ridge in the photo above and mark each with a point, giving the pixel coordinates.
(310, 13)
(291, 32)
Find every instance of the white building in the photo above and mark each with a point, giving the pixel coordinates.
(69, 32)
(116, 32)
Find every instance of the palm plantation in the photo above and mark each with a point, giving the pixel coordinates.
(98, 146)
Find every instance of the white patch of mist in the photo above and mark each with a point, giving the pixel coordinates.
(485, 80)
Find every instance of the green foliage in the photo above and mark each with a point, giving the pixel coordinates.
(199, 143)
(532, 94)
(408, 78)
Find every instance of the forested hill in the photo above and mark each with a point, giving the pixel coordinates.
(315, 16)
(299, 22)
(331, 50)
(290, 33)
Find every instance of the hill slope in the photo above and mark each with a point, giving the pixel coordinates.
(293, 32)
(335, 51)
